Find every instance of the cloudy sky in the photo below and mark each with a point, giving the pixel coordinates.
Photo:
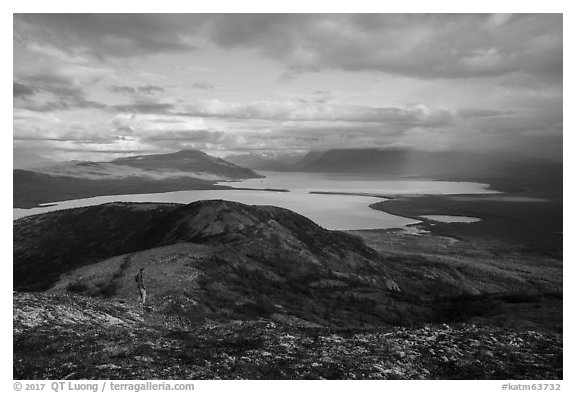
(96, 87)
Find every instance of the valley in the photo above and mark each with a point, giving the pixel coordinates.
(288, 196)
(244, 290)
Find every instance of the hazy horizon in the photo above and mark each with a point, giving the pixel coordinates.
(290, 157)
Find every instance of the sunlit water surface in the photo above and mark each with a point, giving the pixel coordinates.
(450, 219)
(330, 211)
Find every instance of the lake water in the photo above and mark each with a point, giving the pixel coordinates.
(330, 211)
(328, 182)
(450, 219)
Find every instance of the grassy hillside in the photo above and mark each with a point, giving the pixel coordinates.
(48, 245)
(220, 259)
(238, 291)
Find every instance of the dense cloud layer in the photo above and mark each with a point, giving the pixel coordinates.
(147, 82)
(421, 46)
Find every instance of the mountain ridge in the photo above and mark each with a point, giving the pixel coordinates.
(506, 172)
(230, 259)
(183, 170)
(183, 163)
(260, 162)
(248, 259)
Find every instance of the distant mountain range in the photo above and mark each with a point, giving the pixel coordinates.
(405, 162)
(183, 170)
(27, 160)
(262, 163)
(184, 163)
(446, 165)
(503, 171)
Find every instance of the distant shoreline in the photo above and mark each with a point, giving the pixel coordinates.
(530, 224)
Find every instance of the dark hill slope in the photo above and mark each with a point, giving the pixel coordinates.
(223, 260)
(53, 243)
(215, 259)
(33, 188)
(50, 244)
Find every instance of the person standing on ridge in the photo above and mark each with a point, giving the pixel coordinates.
(141, 288)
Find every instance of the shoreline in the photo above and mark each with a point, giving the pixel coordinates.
(28, 206)
(531, 217)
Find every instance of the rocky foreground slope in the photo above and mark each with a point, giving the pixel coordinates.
(72, 337)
